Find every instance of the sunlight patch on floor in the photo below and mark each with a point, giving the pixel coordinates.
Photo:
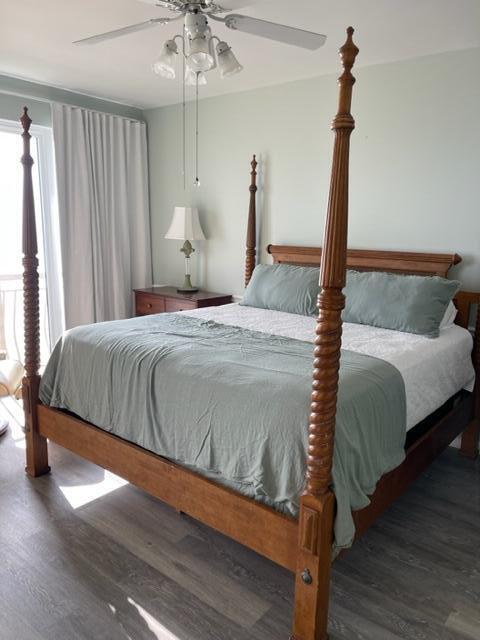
(79, 495)
(160, 632)
(465, 621)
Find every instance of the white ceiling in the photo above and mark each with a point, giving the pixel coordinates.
(36, 37)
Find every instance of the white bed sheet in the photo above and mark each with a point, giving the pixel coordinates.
(433, 369)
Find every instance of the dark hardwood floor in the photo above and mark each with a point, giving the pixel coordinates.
(85, 556)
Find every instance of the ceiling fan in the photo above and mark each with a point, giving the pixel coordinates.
(197, 42)
(213, 9)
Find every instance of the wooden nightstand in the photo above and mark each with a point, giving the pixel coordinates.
(167, 299)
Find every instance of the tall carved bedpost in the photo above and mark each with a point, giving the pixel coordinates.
(37, 454)
(250, 258)
(312, 587)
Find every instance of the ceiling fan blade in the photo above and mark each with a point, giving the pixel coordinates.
(232, 5)
(175, 5)
(227, 5)
(108, 35)
(274, 31)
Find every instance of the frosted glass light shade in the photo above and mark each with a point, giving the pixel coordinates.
(185, 225)
(227, 62)
(199, 57)
(191, 78)
(165, 64)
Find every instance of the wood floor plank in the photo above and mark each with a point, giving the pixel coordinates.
(190, 570)
(386, 611)
(104, 578)
(346, 624)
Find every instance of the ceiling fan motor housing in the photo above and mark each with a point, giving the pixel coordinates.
(196, 5)
(196, 24)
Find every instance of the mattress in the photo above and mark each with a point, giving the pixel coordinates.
(433, 370)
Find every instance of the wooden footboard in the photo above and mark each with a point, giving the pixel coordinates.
(262, 529)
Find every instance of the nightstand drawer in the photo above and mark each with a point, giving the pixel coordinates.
(169, 299)
(146, 304)
(178, 305)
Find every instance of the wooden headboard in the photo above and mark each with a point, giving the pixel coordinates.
(433, 264)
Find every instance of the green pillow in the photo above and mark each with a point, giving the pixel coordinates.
(413, 304)
(283, 287)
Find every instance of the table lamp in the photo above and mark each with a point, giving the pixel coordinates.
(185, 225)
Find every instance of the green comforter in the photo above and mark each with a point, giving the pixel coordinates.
(232, 404)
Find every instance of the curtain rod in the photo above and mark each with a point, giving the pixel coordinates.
(49, 101)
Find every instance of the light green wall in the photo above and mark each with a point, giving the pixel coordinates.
(11, 108)
(15, 93)
(415, 167)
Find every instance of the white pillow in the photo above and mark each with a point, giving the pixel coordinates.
(449, 317)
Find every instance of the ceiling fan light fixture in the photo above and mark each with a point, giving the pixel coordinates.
(165, 64)
(227, 61)
(198, 39)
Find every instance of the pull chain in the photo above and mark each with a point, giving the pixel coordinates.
(197, 181)
(184, 170)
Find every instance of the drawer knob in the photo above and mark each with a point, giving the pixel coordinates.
(149, 306)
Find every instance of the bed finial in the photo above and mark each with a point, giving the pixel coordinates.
(37, 456)
(349, 51)
(25, 120)
(348, 54)
(251, 252)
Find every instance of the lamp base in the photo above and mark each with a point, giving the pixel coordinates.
(192, 290)
(187, 286)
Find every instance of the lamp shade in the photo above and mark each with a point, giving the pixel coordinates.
(185, 225)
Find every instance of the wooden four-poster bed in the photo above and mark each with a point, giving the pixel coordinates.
(304, 546)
